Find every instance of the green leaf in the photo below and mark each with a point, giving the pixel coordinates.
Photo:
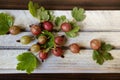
(50, 42)
(78, 14)
(103, 47)
(74, 31)
(6, 21)
(98, 57)
(60, 20)
(103, 54)
(33, 8)
(94, 56)
(40, 12)
(107, 56)
(51, 16)
(106, 47)
(27, 62)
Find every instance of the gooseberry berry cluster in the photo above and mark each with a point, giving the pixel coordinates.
(44, 40)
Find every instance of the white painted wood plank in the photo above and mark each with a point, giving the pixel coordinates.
(72, 63)
(104, 20)
(83, 63)
(83, 39)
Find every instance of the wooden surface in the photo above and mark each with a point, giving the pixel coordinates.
(103, 25)
(62, 4)
(111, 26)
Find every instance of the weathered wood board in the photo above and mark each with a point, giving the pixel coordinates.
(96, 20)
(83, 39)
(80, 63)
(104, 25)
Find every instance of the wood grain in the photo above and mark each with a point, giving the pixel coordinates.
(98, 24)
(90, 30)
(68, 4)
(106, 21)
(83, 38)
(63, 4)
(94, 26)
(72, 63)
